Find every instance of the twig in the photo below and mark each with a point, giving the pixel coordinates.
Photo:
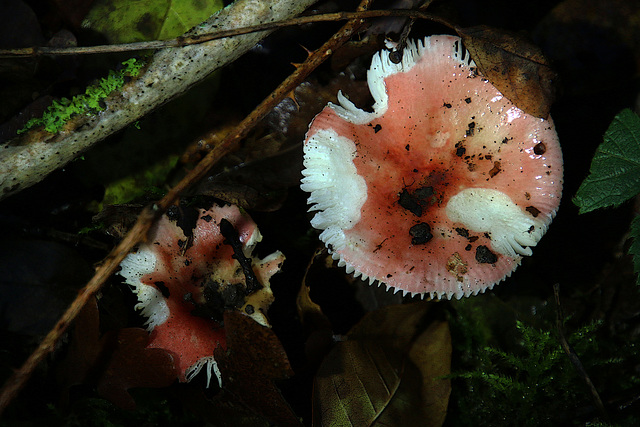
(203, 38)
(573, 357)
(144, 222)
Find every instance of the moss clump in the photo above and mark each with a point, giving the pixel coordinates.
(90, 102)
(531, 381)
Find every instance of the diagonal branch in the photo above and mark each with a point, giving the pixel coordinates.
(192, 39)
(144, 222)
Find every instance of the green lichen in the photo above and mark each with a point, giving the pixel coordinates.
(88, 103)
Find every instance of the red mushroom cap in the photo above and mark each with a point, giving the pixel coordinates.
(443, 187)
(169, 275)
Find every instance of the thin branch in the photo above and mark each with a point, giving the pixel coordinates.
(144, 222)
(190, 40)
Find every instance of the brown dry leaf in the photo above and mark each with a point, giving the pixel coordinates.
(388, 372)
(292, 119)
(84, 349)
(114, 362)
(431, 352)
(317, 325)
(117, 219)
(260, 185)
(132, 365)
(516, 67)
(207, 141)
(308, 310)
(253, 360)
(353, 49)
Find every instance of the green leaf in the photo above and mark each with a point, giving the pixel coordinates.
(124, 21)
(634, 249)
(614, 176)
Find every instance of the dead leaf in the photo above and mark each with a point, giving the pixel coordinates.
(207, 141)
(388, 371)
(253, 360)
(354, 49)
(83, 351)
(431, 353)
(116, 220)
(133, 365)
(515, 66)
(289, 120)
(309, 311)
(258, 176)
(115, 361)
(260, 184)
(317, 325)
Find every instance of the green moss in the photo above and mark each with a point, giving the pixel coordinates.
(91, 102)
(145, 181)
(522, 376)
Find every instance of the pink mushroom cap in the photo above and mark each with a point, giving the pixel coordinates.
(443, 187)
(169, 274)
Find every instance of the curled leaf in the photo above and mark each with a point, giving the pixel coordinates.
(515, 66)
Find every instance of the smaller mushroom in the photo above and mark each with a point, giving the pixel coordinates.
(184, 283)
(443, 187)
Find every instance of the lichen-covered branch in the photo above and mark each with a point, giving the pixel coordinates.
(30, 157)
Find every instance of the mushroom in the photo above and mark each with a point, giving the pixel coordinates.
(183, 284)
(443, 187)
